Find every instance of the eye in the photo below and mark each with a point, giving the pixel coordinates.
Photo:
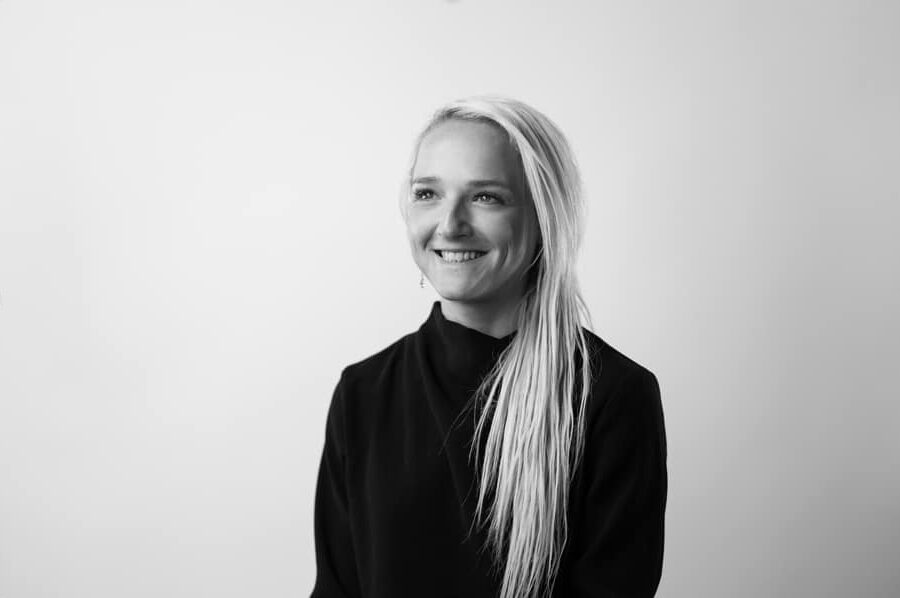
(487, 198)
(423, 194)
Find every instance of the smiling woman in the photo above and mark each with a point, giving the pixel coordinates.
(502, 449)
(472, 227)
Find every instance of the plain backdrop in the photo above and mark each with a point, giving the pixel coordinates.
(199, 230)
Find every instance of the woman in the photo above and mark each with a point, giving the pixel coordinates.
(502, 449)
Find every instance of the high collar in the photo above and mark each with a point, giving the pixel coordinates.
(460, 354)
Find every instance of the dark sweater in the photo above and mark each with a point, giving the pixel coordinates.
(396, 489)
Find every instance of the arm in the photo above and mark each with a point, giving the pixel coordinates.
(618, 536)
(336, 575)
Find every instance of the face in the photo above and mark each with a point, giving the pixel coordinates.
(471, 225)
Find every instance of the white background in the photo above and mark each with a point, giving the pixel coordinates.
(199, 229)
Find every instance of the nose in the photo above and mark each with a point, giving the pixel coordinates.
(454, 219)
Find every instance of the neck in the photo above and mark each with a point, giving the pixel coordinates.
(494, 319)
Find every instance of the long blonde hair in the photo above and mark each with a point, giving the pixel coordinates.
(535, 433)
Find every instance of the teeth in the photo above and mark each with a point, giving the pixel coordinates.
(460, 256)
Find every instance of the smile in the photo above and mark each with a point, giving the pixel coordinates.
(458, 257)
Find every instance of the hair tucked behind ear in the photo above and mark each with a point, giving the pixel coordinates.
(532, 402)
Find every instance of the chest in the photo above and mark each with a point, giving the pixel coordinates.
(413, 474)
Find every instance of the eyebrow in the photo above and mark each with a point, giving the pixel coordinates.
(475, 183)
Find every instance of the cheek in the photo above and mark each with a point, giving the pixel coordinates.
(416, 228)
(518, 236)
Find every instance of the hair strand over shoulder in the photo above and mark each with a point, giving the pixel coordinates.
(532, 403)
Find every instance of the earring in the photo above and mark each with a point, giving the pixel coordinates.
(421, 281)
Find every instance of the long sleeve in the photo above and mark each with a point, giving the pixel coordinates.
(618, 537)
(336, 574)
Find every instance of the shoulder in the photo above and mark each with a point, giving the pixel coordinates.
(610, 365)
(621, 387)
(367, 392)
(378, 367)
(370, 385)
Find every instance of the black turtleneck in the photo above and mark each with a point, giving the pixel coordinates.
(396, 490)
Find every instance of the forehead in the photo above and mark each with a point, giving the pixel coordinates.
(460, 150)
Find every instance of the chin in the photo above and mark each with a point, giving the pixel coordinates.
(453, 294)
(456, 293)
